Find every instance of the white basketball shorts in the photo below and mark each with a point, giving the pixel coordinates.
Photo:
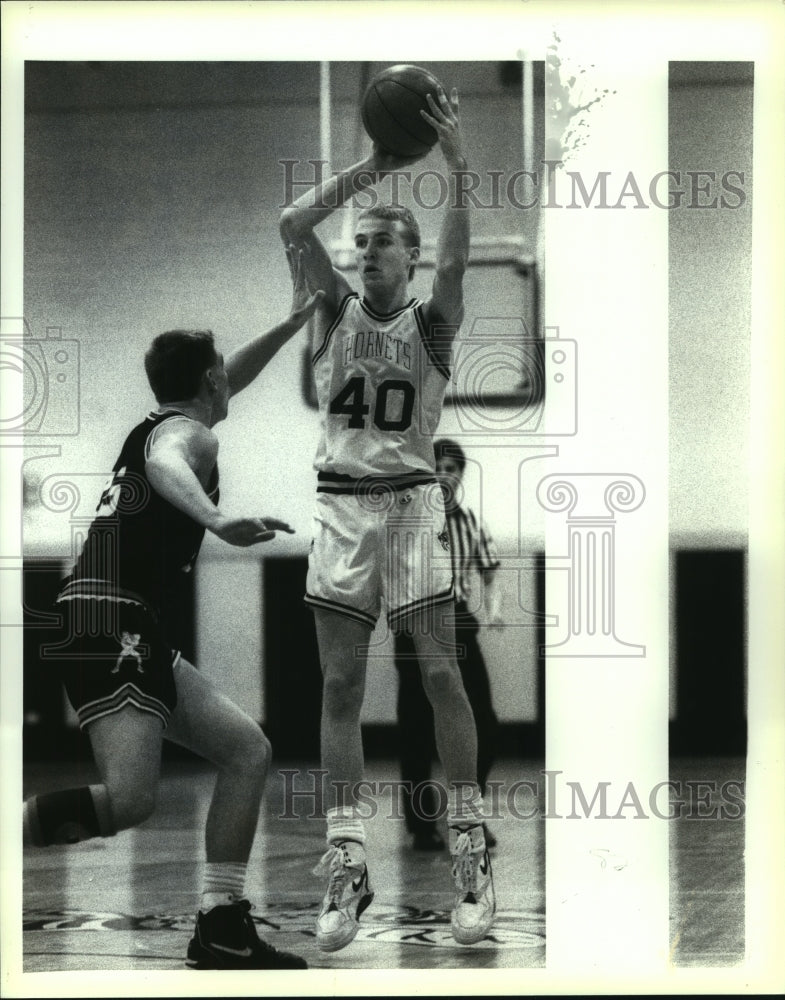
(379, 541)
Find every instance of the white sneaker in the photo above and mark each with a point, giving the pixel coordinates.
(348, 895)
(475, 899)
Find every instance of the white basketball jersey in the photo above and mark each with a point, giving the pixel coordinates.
(380, 390)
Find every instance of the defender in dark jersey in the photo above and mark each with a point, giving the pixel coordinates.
(381, 366)
(129, 687)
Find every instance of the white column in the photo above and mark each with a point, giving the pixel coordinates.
(605, 499)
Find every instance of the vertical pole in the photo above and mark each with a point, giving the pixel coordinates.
(325, 112)
(527, 102)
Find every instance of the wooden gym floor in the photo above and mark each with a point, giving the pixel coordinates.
(128, 903)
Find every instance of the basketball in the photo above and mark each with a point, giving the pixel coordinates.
(391, 110)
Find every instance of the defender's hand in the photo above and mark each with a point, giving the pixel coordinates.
(245, 531)
(273, 524)
(303, 303)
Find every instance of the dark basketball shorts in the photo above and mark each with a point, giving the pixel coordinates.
(111, 653)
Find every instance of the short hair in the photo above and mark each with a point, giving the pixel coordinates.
(446, 448)
(398, 213)
(176, 361)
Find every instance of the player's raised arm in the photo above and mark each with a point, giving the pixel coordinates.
(181, 454)
(299, 219)
(452, 255)
(244, 364)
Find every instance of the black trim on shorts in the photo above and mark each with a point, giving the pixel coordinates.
(335, 482)
(434, 600)
(341, 609)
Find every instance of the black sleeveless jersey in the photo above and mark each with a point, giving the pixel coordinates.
(138, 544)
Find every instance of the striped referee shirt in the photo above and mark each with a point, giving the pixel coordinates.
(471, 547)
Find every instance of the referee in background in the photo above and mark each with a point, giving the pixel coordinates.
(474, 557)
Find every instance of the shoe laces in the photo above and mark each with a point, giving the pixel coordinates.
(245, 905)
(256, 942)
(333, 862)
(463, 869)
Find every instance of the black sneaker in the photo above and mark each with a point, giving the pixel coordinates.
(225, 938)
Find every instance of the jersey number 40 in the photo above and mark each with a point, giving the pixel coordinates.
(350, 400)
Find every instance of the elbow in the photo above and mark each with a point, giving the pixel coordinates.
(285, 225)
(290, 226)
(452, 267)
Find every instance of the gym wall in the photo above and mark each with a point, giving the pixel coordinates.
(152, 194)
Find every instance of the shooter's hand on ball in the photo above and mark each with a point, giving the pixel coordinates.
(384, 162)
(445, 120)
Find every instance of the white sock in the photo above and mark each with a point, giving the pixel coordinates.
(224, 882)
(343, 824)
(464, 806)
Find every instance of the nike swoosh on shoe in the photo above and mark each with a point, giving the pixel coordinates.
(244, 953)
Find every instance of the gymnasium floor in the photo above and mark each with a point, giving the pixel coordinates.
(128, 903)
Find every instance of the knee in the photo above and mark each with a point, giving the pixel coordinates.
(342, 695)
(258, 750)
(251, 752)
(442, 681)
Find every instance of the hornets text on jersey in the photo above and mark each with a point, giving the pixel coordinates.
(380, 387)
(138, 543)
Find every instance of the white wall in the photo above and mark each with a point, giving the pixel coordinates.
(710, 301)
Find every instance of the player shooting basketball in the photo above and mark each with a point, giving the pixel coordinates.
(129, 688)
(381, 365)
